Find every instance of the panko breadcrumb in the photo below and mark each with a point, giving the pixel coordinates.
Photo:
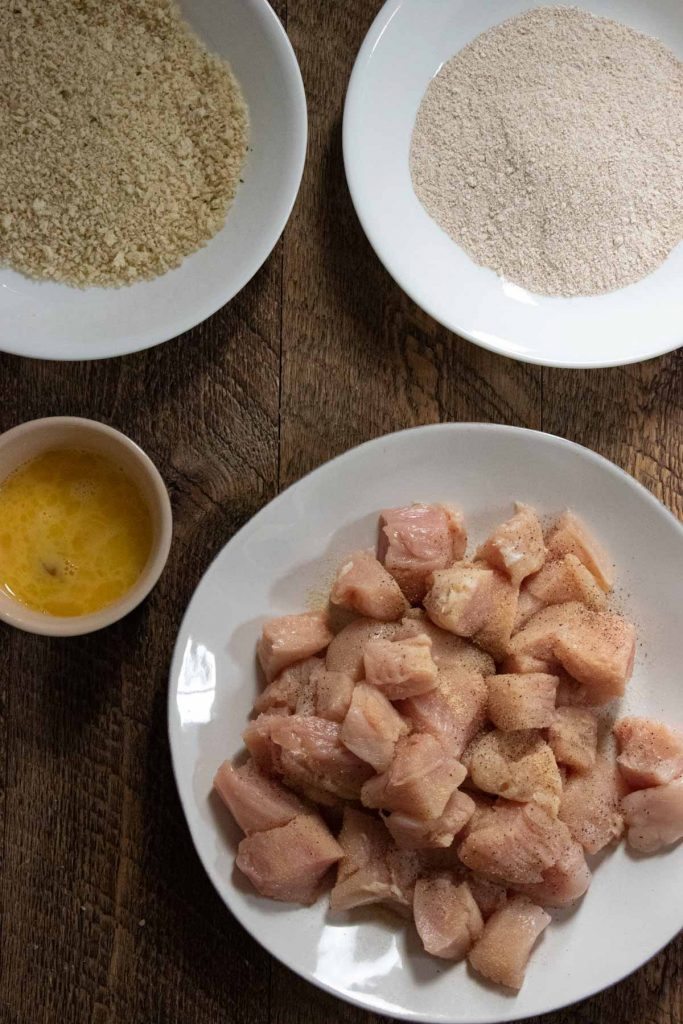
(121, 139)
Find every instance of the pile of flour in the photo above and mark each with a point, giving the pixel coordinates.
(551, 150)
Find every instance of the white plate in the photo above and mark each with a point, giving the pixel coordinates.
(288, 551)
(53, 321)
(404, 49)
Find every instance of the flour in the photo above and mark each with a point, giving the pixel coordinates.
(551, 149)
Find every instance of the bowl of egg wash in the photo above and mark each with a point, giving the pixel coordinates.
(85, 526)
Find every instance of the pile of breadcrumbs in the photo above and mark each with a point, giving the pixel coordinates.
(121, 139)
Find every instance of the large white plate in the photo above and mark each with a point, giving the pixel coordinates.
(404, 49)
(287, 552)
(53, 321)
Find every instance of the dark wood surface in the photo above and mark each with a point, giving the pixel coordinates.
(107, 916)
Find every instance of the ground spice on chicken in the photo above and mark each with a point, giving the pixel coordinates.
(121, 139)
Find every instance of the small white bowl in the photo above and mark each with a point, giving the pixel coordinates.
(53, 321)
(405, 47)
(29, 440)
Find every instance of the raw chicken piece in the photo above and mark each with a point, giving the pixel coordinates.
(345, 653)
(258, 740)
(573, 738)
(411, 833)
(401, 668)
(651, 752)
(516, 547)
(518, 766)
(256, 802)
(571, 537)
(503, 951)
(564, 883)
(292, 638)
(370, 872)
(461, 598)
(333, 693)
(419, 781)
(306, 701)
(522, 701)
(448, 650)
(527, 605)
(372, 726)
(514, 844)
(284, 690)
(454, 712)
(525, 664)
(290, 862)
(447, 917)
(654, 817)
(571, 694)
(363, 585)
(590, 805)
(566, 579)
(494, 635)
(598, 650)
(308, 754)
(536, 640)
(416, 541)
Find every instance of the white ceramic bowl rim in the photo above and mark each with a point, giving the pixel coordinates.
(16, 614)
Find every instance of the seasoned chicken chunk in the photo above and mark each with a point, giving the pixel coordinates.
(502, 953)
(461, 598)
(590, 805)
(372, 726)
(256, 801)
(654, 817)
(518, 766)
(563, 883)
(448, 650)
(571, 536)
(566, 579)
(522, 701)
(651, 753)
(333, 693)
(454, 712)
(494, 635)
(371, 870)
(598, 650)
(285, 689)
(363, 585)
(401, 668)
(292, 638)
(447, 917)
(516, 548)
(345, 653)
(573, 737)
(419, 782)
(417, 540)
(410, 833)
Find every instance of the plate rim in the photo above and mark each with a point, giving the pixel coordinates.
(154, 336)
(353, 100)
(176, 660)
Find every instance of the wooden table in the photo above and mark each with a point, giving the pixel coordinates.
(107, 916)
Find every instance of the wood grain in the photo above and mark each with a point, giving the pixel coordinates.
(107, 916)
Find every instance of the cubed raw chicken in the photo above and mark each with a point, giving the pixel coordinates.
(372, 726)
(524, 664)
(345, 653)
(419, 781)
(256, 801)
(527, 605)
(448, 650)
(516, 547)
(333, 693)
(292, 638)
(571, 694)
(515, 844)
(363, 585)
(564, 883)
(571, 536)
(494, 635)
(285, 689)
(573, 737)
(502, 953)
(258, 740)
(417, 540)
(369, 871)
(410, 833)
(566, 579)
(651, 753)
(535, 642)
(307, 753)
(461, 598)
(598, 650)
(590, 805)
(454, 712)
(447, 917)
(522, 701)
(654, 817)
(518, 766)
(290, 862)
(401, 668)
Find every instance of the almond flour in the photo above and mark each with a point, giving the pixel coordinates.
(121, 139)
(551, 149)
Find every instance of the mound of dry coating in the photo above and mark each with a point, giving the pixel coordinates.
(121, 139)
(551, 149)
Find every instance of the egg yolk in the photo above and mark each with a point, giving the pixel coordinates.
(75, 533)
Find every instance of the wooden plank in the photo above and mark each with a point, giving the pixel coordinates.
(108, 916)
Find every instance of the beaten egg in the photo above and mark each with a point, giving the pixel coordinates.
(75, 533)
